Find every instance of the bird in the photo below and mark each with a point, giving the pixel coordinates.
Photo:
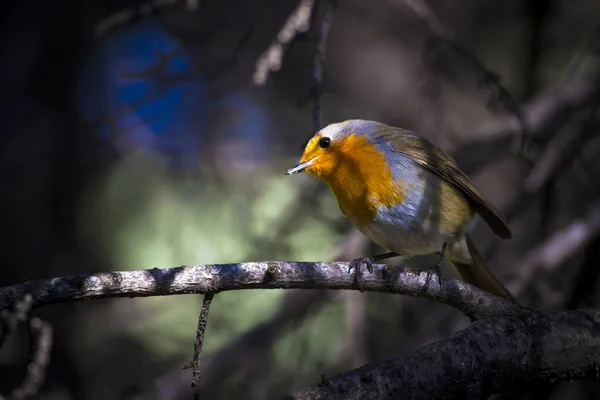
(406, 195)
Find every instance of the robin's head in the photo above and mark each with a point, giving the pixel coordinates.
(346, 156)
(339, 146)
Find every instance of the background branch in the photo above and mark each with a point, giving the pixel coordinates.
(41, 345)
(441, 37)
(270, 60)
(546, 112)
(559, 248)
(129, 15)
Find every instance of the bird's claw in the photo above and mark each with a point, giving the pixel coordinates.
(356, 264)
(434, 269)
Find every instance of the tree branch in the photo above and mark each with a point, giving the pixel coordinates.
(488, 357)
(215, 278)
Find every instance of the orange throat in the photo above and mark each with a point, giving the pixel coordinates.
(361, 179)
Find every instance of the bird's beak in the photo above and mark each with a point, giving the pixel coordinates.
(300, 167)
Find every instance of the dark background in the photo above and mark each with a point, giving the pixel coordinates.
(148, 145)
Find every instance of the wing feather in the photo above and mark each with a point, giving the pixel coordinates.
(428, 155)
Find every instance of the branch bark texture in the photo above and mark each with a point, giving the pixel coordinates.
(488, 357)
(215, 278)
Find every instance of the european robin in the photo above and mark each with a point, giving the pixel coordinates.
(404, 194)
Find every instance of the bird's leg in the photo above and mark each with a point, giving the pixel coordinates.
(434, 269)
(357, 263)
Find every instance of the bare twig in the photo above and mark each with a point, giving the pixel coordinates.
(552, 157)
(317, 87)
(545, 115)
(270, 60)
(41, 336)
(558, 156)
(442, 37)
(295, 308)
(219, 366)
(202, 321)
(10, 318)
(546, 112)
(488, 357)
(254, 275)
(558, 248)
(231, 61)
(36, 369)
(129, 15)
(537, 14)
(577, 63)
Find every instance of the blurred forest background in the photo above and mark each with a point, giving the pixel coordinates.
(148, 145)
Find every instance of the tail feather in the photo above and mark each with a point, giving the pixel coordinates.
(478, 274)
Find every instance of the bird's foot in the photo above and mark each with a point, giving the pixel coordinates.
(433, 269)
(357, 264)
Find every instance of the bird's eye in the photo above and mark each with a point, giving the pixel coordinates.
(324, 142)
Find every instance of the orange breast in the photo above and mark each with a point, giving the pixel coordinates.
(362, 180)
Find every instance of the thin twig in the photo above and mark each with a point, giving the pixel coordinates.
(441, 36)
(41, 344)
(553, 156)
(546, 112)
(270, 60)
(128, 15)
(558, 249)
(316, 90)
(576, 64)
(198, 344)
(36, 369)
